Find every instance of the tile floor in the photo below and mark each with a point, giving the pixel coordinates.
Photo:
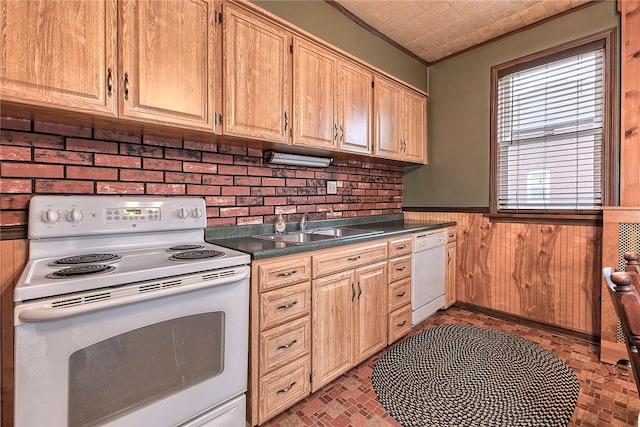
(607, 397)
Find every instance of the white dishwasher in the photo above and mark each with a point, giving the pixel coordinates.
(427, 273)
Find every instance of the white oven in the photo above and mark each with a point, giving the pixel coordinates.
(158, 337)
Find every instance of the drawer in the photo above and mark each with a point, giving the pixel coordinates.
(399, 323)
(345, 259)
(284, 344)
(399, 268)
(284, 304)
(283, 388)
(399, 247)
(399, 294)
(283, 272)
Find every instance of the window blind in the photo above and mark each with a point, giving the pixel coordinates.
(550, 134)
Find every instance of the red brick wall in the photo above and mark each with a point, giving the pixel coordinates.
(239, 188)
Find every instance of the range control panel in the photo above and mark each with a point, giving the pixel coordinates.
(61, 216)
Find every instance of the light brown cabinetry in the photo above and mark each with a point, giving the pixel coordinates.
(332, 100)
(257, 77)
(60, 55)
(280, 335)
(399, 296)
(63, 55)
(400, 122)
(167, 61)
(450, 271)
(348, 309)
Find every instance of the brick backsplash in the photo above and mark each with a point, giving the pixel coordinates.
(238, 186)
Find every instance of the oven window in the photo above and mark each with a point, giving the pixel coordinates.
(121, 374)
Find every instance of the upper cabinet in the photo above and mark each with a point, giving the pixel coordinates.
(400, 122)
(257, 77)
(64, 55)
(167, 61)
(59, 54)
(332, 107)
(236, 71)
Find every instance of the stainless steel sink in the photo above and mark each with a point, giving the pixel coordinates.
(317, 235)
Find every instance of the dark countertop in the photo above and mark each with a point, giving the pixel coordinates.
(239, 237)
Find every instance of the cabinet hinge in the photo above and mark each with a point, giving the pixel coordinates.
(219, 17)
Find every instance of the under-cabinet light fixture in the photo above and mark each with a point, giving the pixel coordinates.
(297, 160)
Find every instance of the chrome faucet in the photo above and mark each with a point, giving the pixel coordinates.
(306, 218)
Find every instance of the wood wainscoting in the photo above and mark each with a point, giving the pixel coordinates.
(13, 258)
(547, 273)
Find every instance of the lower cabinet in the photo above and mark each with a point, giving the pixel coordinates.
(317, 314)
(450, 270)
(348, 312)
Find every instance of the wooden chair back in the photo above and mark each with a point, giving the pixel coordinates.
(623, 288)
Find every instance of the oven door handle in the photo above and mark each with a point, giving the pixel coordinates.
(46, 312)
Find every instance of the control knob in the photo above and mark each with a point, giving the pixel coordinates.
(196, 213)
(74, 215)
(50, 216)
(182, 213)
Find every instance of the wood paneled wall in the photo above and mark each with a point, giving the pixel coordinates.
(13, 257)
(543, 272)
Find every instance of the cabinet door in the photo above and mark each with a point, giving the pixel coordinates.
(370, 311)
(450, 276)
(167, 61)
(59, 54)
(314, 96)
(332, 326)
(387, 105)
(355, 108)
(257, 77)
(414, 146)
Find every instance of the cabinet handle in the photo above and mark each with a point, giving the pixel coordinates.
(126, 86)
(286, 306)
(341, 133)
(401, 295)
(335, 127)
(399, 248)
(449, 258)
(400, 269)
(286, 346)
(109, 82)
(399, 325)
(286, 121)
(355, 258)
(353, 292)
(359, 290)
(284, 390)
(287, 274)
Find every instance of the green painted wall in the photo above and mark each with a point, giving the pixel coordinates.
(327, 23)
(458, 110)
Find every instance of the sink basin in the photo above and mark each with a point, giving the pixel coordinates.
(317, 235)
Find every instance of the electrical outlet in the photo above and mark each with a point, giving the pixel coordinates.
(332, 187)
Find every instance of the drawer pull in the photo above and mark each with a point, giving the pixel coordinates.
(286, 346)
(355, 258)
(400, 325)
(399, 248)
(286, 306)
(284, 390)
(401, 295)
(287, 274)
(400, 269)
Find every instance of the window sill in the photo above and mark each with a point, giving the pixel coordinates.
(547, 218)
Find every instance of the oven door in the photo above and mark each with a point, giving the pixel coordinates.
(158, 359)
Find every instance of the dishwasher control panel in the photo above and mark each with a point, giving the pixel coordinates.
(428, 240)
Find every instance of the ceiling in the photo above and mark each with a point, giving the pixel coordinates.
(431, 30)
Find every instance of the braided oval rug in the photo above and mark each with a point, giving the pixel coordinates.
(461, 375)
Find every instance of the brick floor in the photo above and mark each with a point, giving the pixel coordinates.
(608, 395)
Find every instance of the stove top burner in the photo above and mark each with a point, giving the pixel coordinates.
(200, 254)
(82, 270)
(87, 259)
(181, 248)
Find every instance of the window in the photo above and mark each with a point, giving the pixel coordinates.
(550, 136)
